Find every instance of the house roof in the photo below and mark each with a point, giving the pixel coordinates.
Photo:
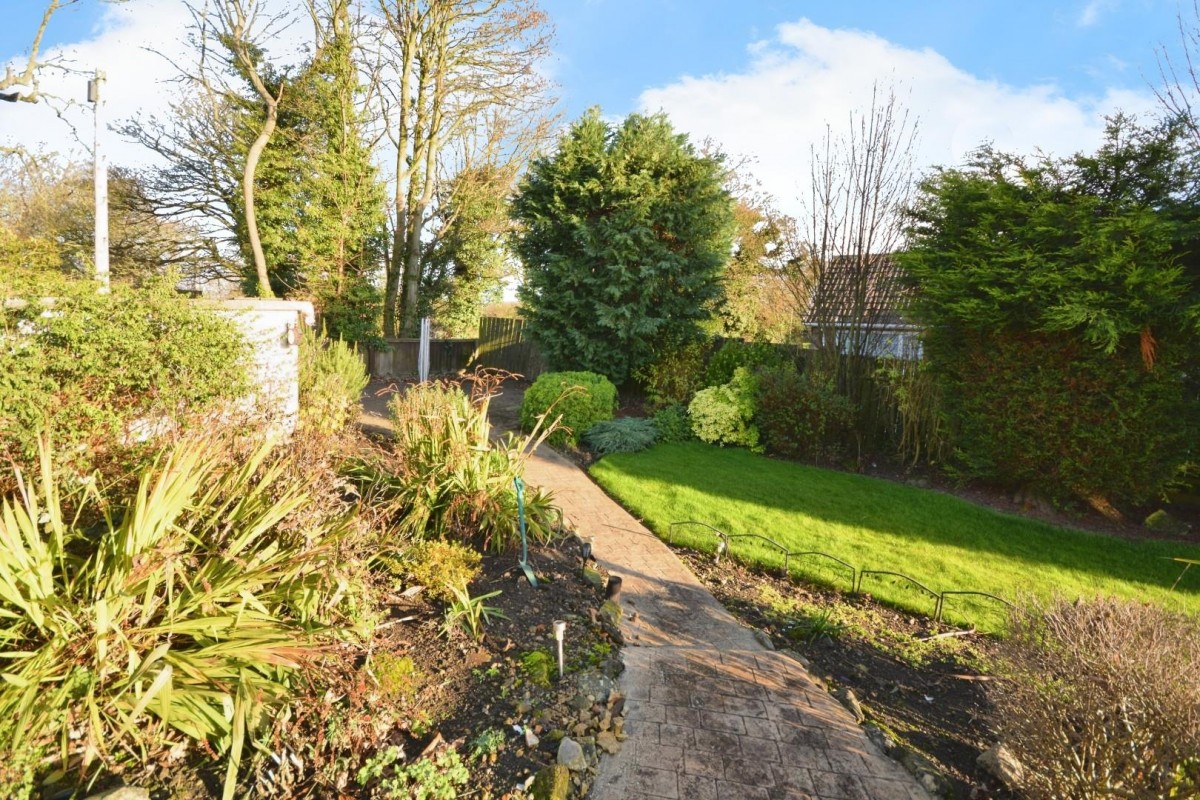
(859, 290)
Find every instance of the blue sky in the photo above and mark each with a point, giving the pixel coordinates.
(762, 77)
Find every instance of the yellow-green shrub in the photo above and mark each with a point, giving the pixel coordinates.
(439, 565)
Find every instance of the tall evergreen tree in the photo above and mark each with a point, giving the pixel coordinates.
(624, 233)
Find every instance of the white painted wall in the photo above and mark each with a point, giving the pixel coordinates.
(272, 328)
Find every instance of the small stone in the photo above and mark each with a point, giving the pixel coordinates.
(804, 662)
(596, 684)
(607, 742)
(579, 702)
(763, 639)
(570, 755)
(589, 749)
(879, 738)
(552, 783)
(847, 698)
(999, 761)
(531, 738)
(580, 730)
(593, 578)
(524, 707)
(122, 793)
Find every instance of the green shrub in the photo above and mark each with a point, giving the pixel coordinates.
(185, 613)
(675, 374)
(910, 388)
(800, 418)
(445, 477)
(428, 778)
(440, 565)
(397, 676)
(723, 414)
(734, 354)
(624, 435)
(673, 424)
(331, 382)
(100, 370)
(1053, 413)
(581, 398)
(1102, 694)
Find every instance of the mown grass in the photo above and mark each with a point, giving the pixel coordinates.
(942, 541)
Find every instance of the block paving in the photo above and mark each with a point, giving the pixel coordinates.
(711, 714)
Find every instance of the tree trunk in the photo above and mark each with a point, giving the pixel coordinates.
(256, 149)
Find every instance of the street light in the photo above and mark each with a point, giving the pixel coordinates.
(100, 175)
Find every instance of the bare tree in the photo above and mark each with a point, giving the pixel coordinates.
(27, 77)
(861, 182)
(1179, 89)
(452, 74)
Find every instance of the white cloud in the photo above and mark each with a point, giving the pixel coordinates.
(1091, 12)
(126, 44)
(809, 76)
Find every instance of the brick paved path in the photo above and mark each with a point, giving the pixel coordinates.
(710, 713)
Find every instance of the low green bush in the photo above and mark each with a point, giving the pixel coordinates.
(673, 424)
(624, 435)
(1102, 694)
(101, 372)
(799, 417)
(331, 381)
(734, 354)
(581, 398)
(724, 414)
(442, 566)
(676, 373)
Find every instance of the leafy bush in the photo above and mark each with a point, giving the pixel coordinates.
(1059, 302)
(428, 778)
(909, 387)
(675, 374)
(1082, 424)
(734, 354)
(183, 615)
(581, 398)
(445, 477)
(440, 566)
(101, 370)
(624, 435)
(673, 424)
(723, 414)
(1103, 700)
(801, 418)
(332, 378)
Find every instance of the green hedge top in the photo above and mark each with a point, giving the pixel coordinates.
(582, 398)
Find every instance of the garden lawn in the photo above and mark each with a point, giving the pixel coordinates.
(942, 541)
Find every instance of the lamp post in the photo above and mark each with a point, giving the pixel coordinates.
(100, 176)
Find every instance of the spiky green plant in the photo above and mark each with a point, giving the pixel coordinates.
(448, 477)
(181, 616)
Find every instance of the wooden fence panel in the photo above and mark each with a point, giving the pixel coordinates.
(399, 359)
(503, 344)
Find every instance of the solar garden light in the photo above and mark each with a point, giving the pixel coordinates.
(560, 627)
(722, 547)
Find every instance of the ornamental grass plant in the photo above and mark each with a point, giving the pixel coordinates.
(176, 625)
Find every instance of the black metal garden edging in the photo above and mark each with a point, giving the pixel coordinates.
(856, 575)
